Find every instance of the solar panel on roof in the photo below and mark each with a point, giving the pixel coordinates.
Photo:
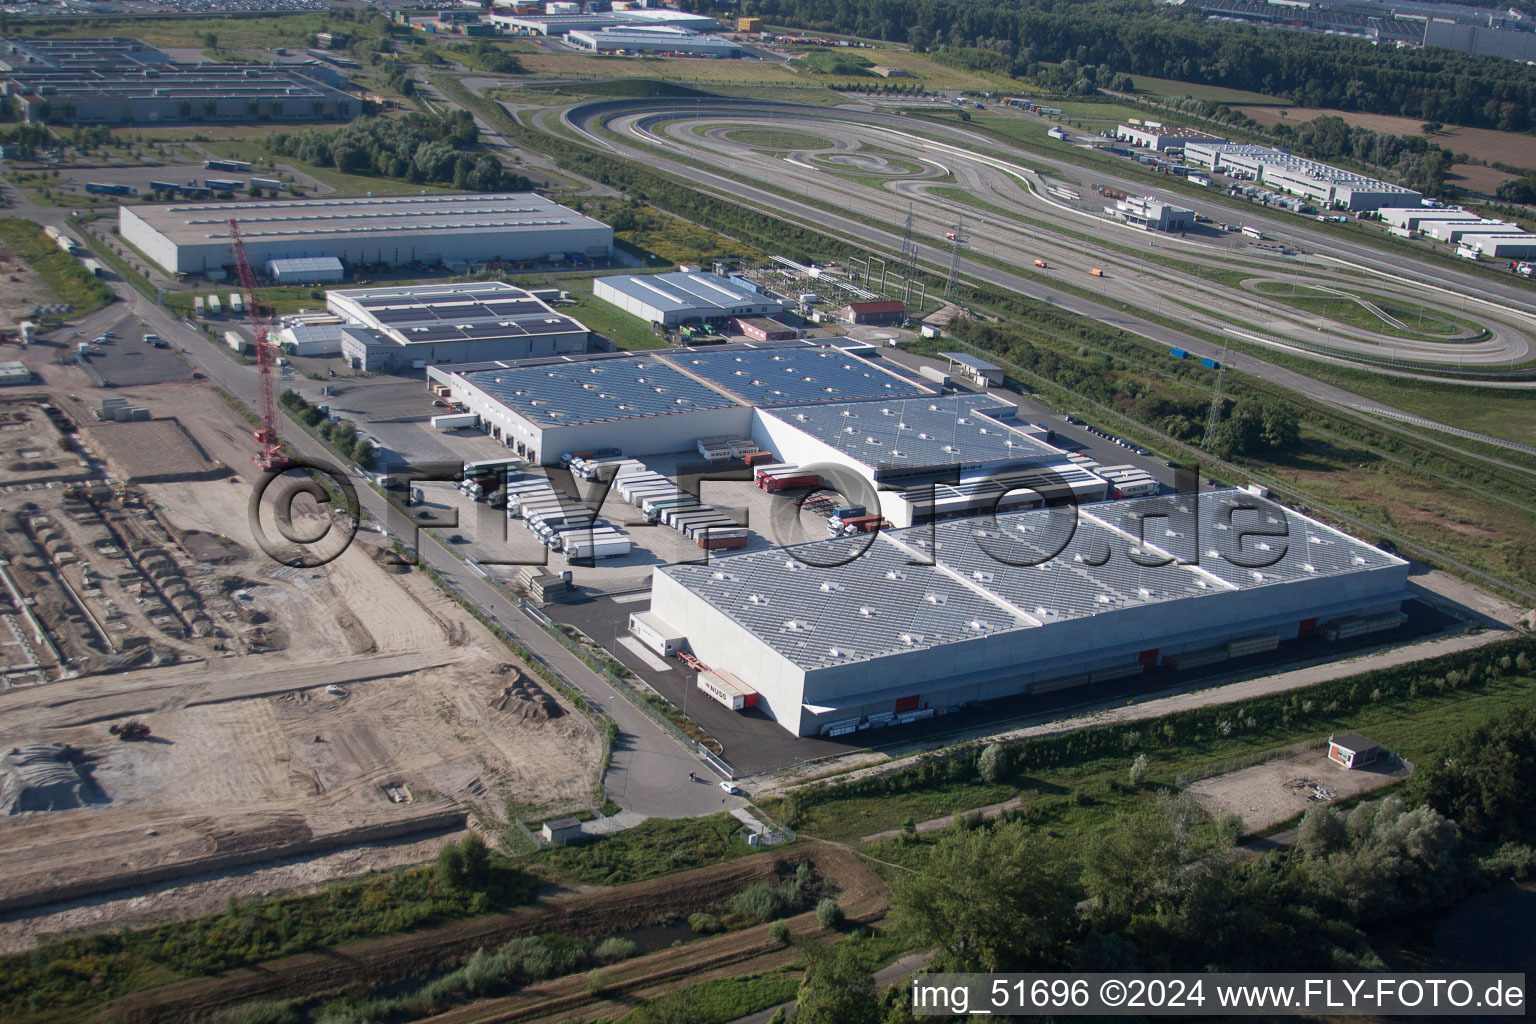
(795, 375)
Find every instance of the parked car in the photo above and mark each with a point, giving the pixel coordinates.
(457, 538)
(730, 787)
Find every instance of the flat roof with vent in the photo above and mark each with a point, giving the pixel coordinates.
(372, 217)
(423, 314)
(940, 584)
(794, 375)
(562, 394)
(911, 434)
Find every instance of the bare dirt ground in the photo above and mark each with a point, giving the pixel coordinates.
(210, 894)
(23, 289)
(1477, 178)
(593, 913)
(1514, 148)
(1275, 791)
(251, 750)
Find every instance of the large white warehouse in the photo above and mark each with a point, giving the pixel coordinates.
(1321, 183)
(680, 298)
(660, 402)
(901, 625)
(193, 238)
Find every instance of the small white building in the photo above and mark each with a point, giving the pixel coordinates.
(681, 298)
(561, 831)
(1352, 750)
(1162, 137)
(310, 270)
(1151, 214)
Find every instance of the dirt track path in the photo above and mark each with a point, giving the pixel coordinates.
(861, 894)
(596, 913)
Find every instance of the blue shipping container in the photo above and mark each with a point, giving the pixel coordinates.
(1210, 364)
(1178, 353)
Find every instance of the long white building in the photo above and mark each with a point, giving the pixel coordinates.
(1320, 183)
(844, 634)
(193, 238)
(680, 298)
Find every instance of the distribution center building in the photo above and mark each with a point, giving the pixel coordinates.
(124, 81)
(661, 402)
(1324, 185)
(424, 324)
(674, 41)
(902, 625)
(393, 230)
(680, 298)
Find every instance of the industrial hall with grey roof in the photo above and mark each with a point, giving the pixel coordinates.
(124, 81)
(832, 634)
(191, 238)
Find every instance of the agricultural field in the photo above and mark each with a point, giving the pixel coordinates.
(242, 33)
(1514, 148)
(1168, 88)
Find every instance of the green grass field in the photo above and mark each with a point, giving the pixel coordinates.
(617, 326)
(1350, 313)
(1074, 802)
(61, 272)
(1166, 88)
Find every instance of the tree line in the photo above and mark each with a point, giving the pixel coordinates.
(1138, 37)
(415, 148)
(1160, 890)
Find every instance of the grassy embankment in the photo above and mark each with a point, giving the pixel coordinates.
(62, 273)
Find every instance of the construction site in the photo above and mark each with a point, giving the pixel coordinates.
(222, 710)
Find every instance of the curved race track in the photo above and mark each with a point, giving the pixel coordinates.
(1382, 312)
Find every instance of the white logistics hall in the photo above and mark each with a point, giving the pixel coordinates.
(681, 298)
(394, 230)
(860, 632)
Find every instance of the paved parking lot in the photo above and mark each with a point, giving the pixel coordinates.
(125, 360)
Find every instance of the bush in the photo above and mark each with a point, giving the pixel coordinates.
(450, 867)
(779, 933)
(759, 902)
(993, 763)
(704, 924)
(1139, 770)
(612, 950)
(263, 1012)
(829, 914)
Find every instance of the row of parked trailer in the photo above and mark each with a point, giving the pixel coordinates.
(660, 500)
(562, 523)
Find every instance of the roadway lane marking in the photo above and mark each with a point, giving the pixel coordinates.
(639, 650)
(644, 595)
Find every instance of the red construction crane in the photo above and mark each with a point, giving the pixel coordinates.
(270, 458)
